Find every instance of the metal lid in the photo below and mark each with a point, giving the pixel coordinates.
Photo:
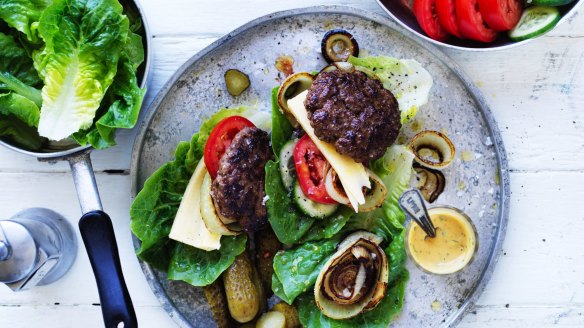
(20, 249)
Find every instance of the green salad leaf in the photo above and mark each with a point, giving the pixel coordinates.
(83, 44)
(201, 268)
(296, 270)
(15, 61)
(152, 214)
(19, 101)
(409, 82)
(288, 223)
(282, 129)
(23, 15)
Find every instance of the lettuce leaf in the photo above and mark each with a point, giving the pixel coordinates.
(296, 270)
(15, 61)
(282, 129)
(83, 43)
(201, 268)
(409, 82)
(155, 207)
(23, 15)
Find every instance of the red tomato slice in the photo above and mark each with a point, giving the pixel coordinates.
(447, 16)
(310, 168)
(425, 12)
(501, 15)
(219, 140)
(471, 23)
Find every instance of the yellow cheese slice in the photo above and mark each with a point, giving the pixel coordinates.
(352, 174)
(188, 226)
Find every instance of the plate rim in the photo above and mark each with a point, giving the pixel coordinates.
(476, 94)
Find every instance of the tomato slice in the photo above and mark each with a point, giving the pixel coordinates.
(219, 140)
(310, 168)
(425, 12)
(501, 15)
(471, 23)
(447, 16)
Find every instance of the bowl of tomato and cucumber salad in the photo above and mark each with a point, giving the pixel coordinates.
(480, 25)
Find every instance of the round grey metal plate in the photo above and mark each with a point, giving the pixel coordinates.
(478, 185)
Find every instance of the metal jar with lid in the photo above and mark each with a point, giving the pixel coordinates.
(37, 247)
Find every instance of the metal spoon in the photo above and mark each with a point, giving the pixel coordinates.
(412, 203)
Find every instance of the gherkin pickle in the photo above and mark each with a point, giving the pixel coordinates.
(218, 303)
(290, 313)
(243, 294)
(237, 82)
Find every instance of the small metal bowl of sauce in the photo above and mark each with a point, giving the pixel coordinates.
(454, 246)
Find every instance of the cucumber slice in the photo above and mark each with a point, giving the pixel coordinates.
(553, 3)
(312, 208)
(535, 21)
(287, 170)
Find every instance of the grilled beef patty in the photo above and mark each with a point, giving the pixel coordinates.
(354, 113)
(238, 189)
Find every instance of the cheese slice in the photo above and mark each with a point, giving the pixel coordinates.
(188, 226)
(352, 174)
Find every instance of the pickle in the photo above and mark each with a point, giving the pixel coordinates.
(271, 319)
(243, 294)
(216, 298)
(290, 313)
(267, 244)
(237, 82)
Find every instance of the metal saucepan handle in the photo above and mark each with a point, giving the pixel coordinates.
(100, 242)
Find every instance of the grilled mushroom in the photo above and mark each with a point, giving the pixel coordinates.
(354, 279)
(338, 45)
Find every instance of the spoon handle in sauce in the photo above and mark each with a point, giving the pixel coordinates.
(412, 203)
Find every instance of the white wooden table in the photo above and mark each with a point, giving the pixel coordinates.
(536, 93)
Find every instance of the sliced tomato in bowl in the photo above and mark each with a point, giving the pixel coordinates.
(219, 140)
(427, 17)
(446, 10)
(501, 15)
(311, 167)
(471, 22)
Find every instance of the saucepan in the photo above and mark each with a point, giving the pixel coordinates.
(95, 225)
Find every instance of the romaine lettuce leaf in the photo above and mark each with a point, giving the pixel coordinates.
(201, 268)
(155, 207)
(83, 44)
(282, 129)
(296, 270)
(409, 82)
(15, 61)
(23, 15)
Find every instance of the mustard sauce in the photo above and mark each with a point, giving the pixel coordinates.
(453, 247)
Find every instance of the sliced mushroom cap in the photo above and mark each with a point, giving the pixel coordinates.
(290, 88)
(354, 279)
(338, 45)
(430, 182)
(432, 149)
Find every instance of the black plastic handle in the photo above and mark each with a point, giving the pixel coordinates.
(100, 242)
